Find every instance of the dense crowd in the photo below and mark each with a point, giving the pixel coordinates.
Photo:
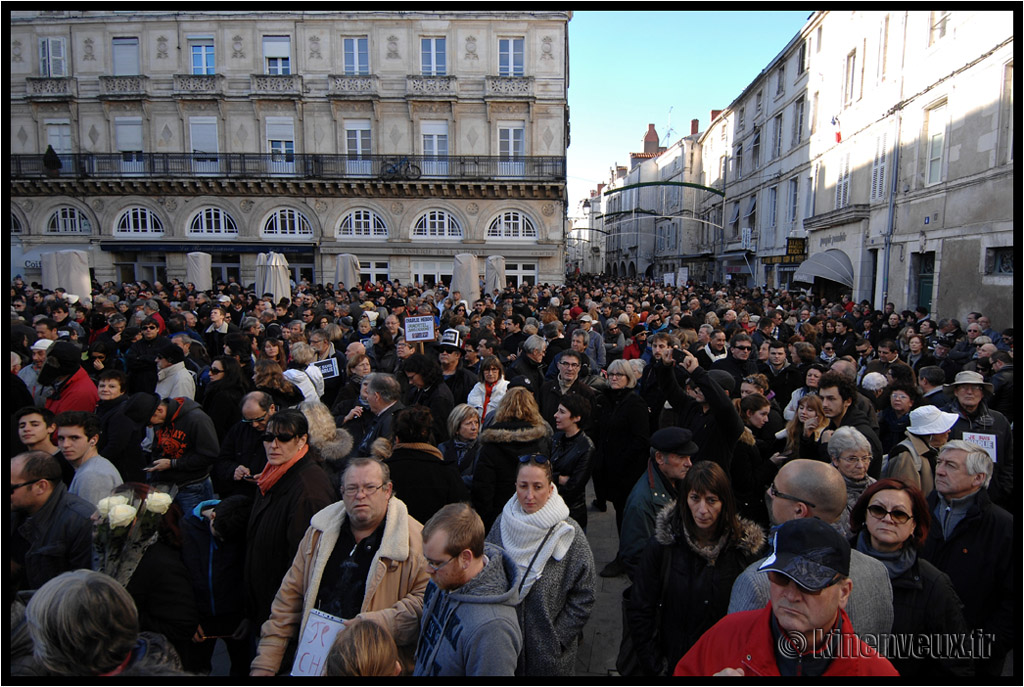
(798, 485)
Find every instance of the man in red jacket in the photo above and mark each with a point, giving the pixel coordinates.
(804, 631)
(73, 390)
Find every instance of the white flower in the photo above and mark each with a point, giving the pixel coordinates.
(121, 515)
(106, 504)
(158, 502)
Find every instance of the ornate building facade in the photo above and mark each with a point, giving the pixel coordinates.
(404, 138)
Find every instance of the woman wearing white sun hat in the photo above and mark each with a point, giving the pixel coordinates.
(913, 459)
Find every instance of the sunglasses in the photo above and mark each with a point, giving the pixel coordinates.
(269, 437)
(776, 494)
(150, 326)
(899, 517)
(539, 458)
(742, 348)
(14, 487)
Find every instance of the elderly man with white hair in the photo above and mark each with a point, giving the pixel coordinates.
(971, 540)
(850, 453)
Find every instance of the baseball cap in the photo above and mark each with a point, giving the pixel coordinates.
(809, 552)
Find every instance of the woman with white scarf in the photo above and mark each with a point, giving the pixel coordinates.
(556, 565)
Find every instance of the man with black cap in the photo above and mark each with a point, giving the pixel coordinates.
(531, 363)
(72, 388)
(670, 460)
(173, 379)
(459, 380)
(804, 631)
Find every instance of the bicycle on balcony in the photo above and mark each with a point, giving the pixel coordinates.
(402, 168)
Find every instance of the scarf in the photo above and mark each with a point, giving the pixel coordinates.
(896, 562)
(272, 473)
(523, 536)
(417, 446)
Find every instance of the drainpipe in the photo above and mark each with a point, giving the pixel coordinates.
(894, 187)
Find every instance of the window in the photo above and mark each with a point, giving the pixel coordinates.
(936, 143)
(937, 27)
(432, 57)
(734, 220)
(751, 214)
(511, 225)
(798, 120)
(777, 136)
(128, 132)
(810, 197)
(878, 187)
(518, 274)
(438, 224)
(203, 131)
(814, 113)
(801, 59)
(773, 200)
(58, 135)
(357, 147)
(212, 222)
(850, 79)
(136, 221)
(755, 149)
(435, 147)
(287, 223)
(126, 56)
(999, 261)
(510, 57)
(511, 148)
(843, 182)
(757, 103)
(202, 56)
(1006, 114)
(741, 119)
(16, 227)
(738, 161)
(68, 220)
(883, 49)
(53, 58)
(281, 145)
(794, 192)
(362, 223)
(780, 80)
(356, 56)
(374, 271)
(277, 54)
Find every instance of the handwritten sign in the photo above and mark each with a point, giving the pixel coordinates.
(328, 368)
(986, 441)
(419, 328)
(315, 643)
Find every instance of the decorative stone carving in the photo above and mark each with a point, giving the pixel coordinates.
(45, 86)
(22, 136)
(89, 50)
(320, 206)
(28, 206)
(97, 204)
(430, 85)
(16, 51)
(197, 83)
(547, 46)
(471, 48)
(123, 85)
(340, 84)
(397, 208)
(246, 205)
(472, 209)
(161, 48)
(237, 45)
(170, 204)
(276, 83)
(510, 85)
(314, 48)
(166, 135)
(393, 48)
(547, 209)
(94, 134)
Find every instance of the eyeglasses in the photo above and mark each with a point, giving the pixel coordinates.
(216, 371)
(434, 567)
(776, 494)
(898, 516)
(855, 459)
(15, 487)
(742, 348)
(368, 489)
(269, 437)
(782, 580)
(150, 326)
(617, 374)
(567, 364)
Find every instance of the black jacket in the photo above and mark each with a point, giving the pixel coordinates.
(980, 559)
(494, 481)
(424, 481)
(120, 439)
(242, 445)
(215, 567)
(188, 438)
(278, 522)
(987, 421)
(737, 368)
(223, 405)
(464, 463)
(698, 589)
(58, 537)
(525, 367)
(622, 442)
(140, 363)
(460, 383)
(572, 457)
(438, 398)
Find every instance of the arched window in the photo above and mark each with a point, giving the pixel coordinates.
(15, 224)
(438, 224)
(511, 225)
(68, 220)
(136, 221)
(286, 223)
(362, 223)
(212, 222)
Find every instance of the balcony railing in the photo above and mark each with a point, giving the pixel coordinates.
(300, 166)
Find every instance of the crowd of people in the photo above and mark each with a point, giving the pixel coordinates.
(799, 486)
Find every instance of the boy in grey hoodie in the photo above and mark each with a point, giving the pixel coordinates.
(469, 625)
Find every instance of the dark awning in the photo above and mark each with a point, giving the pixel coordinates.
(833, 265)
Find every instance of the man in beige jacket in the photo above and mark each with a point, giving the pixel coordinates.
(362, 558)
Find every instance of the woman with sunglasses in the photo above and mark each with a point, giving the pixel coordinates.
(556, 566)
(223, 395)
(291, 489)
(140, 360)
(890, 523)
(699, 548)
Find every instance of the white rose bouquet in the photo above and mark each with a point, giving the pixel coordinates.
(126, 525)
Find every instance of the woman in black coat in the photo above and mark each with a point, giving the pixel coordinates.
(463, 449)
(427, 388)
(699, 548)
(223, 397)
(622, 436)
(890, 522)
(517, 430)
(571, 453)
(120, 439)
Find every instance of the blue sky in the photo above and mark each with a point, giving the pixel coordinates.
(626, 69)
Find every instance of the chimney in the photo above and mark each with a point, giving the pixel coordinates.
(651, 140)
(714, 114)
(694, 126)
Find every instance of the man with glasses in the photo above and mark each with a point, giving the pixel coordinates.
(567, 381)
(806, 630)
(51, 530)
(361, 558)
(739, 362)
(242, 453)
(813, 489)
(469, 624)
(140, 360)
(331, 364)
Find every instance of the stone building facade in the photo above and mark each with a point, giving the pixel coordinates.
(404, 138)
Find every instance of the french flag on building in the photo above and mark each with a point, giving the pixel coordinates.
(839, 134)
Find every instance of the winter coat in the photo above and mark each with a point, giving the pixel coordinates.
(278, 522)
(333, 455)
(551, 396)
(308, 379)
(439, 400)
(423, 481)
(622, 442)
(699, 581)
(751, 475)
(979, 558)
(473, 630)
(478, 397)
(140, 363)
(163, 595)
(224, 406)
(913, 461)
(571, 457)
(891, 429)
(986, 421)
(464, 461)
(120, 439)
(59, 538)
(460, 383)
(215, 567)
(242, 445)
(652, 492)
(736, 367)
(188, 439)
(744, 640)
(77, 392)
(555, 609)
(395, 583)
(494, 480)
(174, 381)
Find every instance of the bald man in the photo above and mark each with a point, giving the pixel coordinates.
(813, 489)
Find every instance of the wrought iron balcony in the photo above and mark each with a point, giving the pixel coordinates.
(388, 168)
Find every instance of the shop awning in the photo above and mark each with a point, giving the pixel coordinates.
(833, 265)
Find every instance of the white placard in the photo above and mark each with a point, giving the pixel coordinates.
(315, 643)
(986, 441)
(419, 328)
(670, 279)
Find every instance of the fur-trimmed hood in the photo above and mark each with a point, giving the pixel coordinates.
(668, 531)
(336, 450)
(514, 432)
